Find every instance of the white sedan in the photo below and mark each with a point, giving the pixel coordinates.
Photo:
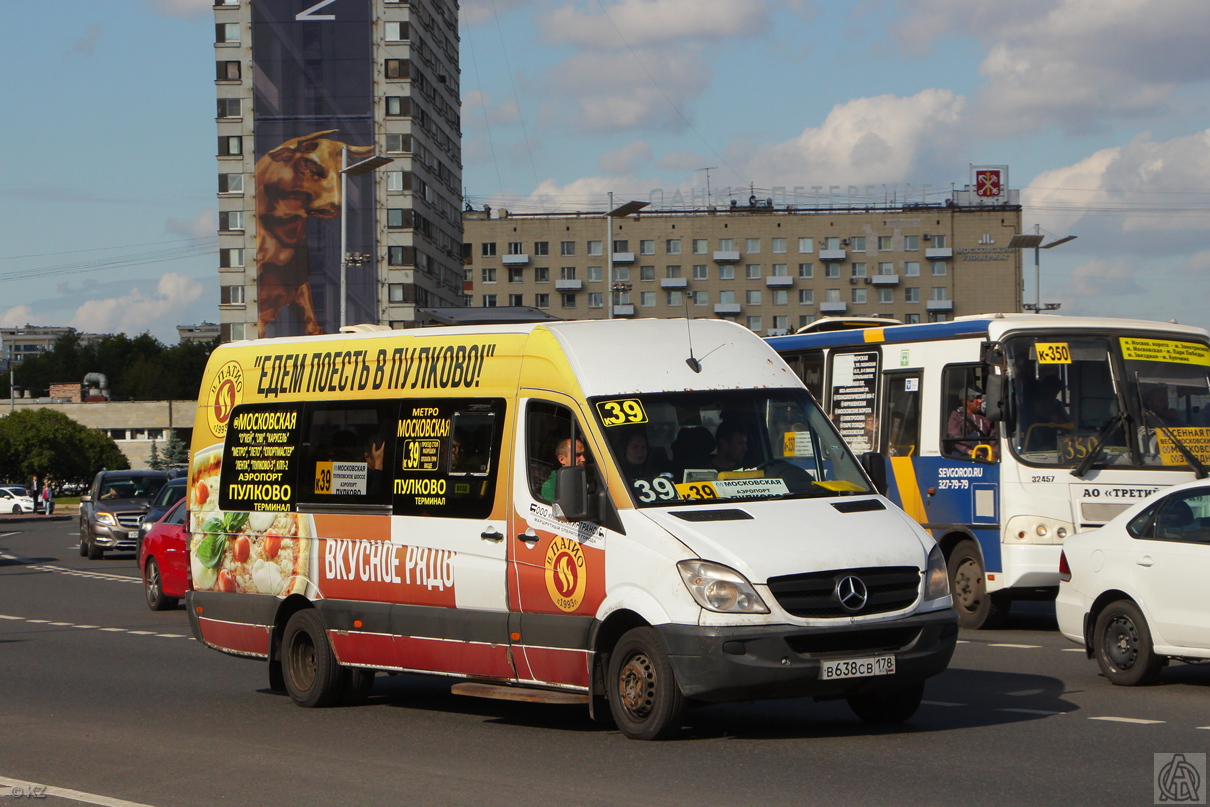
(13, 500)
(1134, 592)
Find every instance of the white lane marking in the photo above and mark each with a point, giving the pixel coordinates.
(38, 621)
(940, 703)
(85, 626)
(1138, 720)
(122, 578)
(6, 616)
(179, 635)
(152, 633)
(1018, 646)
(1201, 728)
(1032, 712)
(1074, 650)
(18, 787)
(964, 641)
(107, 630)
(114, 630)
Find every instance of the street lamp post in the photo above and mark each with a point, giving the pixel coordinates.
(1034, 241)
(364, 167)
(621, 212)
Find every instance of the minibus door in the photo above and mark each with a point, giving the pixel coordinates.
(556, 567)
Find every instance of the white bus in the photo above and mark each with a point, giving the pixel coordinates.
(1004, 433)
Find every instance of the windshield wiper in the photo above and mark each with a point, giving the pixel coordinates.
(1121, 419)
(1193, 461)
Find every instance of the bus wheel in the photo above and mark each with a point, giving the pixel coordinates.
(313, 677)
(975, 606)
(889, 706)
(644, 698)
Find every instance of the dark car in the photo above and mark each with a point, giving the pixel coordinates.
(113, 508)
(164, 559)
(172, 492)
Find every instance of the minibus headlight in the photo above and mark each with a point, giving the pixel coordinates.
(936, 577)
(718, 588)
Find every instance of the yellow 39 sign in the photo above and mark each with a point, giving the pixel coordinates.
(621, 412)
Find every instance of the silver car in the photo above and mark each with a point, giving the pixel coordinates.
(113, 508)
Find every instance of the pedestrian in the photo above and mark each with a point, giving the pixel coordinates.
(35, 493)
(48, 499)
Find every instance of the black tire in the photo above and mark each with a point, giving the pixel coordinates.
(644, 698)
(94, 552)
(17, 509)
(889, 706)
(1121, 643)
(313, 677)
(83, 543)
(977, 609)
(153, 586)
(358, 684)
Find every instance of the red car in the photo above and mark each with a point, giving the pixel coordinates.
(164, 559)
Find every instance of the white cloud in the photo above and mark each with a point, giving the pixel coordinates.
(203, 225)
(16, 316)
(473, 12)
(137, 310)
(1098, 279)
(627, 159)
(182, 8)
(867, 140)
(656, 22)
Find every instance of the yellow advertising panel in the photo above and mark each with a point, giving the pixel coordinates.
(1135, 349)
(1196, 439)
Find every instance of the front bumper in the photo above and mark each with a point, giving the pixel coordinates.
(115, 537)
(783, 661)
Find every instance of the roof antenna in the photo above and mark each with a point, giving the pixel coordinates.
(694, 364)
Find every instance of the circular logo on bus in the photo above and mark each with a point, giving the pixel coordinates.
(566, 579)
(226, 392)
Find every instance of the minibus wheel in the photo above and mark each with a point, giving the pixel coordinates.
(313, 677)
(968, 582)
(644, 698)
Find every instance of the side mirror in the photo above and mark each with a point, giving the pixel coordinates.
(85, 499)
(571, 494)
(993, 397)
(874, 465)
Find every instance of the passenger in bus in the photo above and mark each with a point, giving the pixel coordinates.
(1155, 400)
(730, 446)
(464, 458)
(563, 455)
(638, 461)
(1046, 417)
(969, 427)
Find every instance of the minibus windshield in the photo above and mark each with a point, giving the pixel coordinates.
(678, 447)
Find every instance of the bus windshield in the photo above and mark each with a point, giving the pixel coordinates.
(1069, 396)
(704, 446)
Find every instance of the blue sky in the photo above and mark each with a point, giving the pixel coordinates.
(1098, 107)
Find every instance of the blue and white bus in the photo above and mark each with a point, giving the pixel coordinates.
(1004, 433)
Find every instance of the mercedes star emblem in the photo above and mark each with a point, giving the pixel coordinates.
(852, 593)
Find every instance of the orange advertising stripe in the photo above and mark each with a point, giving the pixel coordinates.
(234, 637)
(909, 490)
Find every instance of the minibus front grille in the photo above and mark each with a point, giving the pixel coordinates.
(859, 641)
(813, 595)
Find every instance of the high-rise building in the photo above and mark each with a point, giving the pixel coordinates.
(305, 91)
(771, 266)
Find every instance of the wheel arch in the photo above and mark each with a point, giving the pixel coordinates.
(1098, 605)
(954, 536)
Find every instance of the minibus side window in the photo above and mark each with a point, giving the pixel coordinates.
(966, 433)
(348, 450)
(550, 430)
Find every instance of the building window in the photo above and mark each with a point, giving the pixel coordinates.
(700, 297)
(701, 271)
(886, 296)
(939, 269)
(646, 273)
(398, 106)
(754, 323)
(726, 296)
(231, 295)
(621, 273)
(230, 258)
(230, 183)
(567, 273)
(399, 143)
(674, 298)
(752, 271)
(226, 33)
(567, 248)
(726, 272)
(806, 296)
(911, 319)
(858, 296)
(541, 300)
(779, 245)
(396, 32)
(884, 243)
(831, 270)
(672, 271)
(568, 299)
(832, 242)
(806, 245)
(886, 268)
(831, 295)
(781, 323)
(806, 270)
(397, 220)
(489, 301)
(227, 71)
(857, 243)
(488, 274)
(230, 108)
(726, 245)
(780, 297)
(781, 270)
(939, 241)
(647, 298)
(231, 220)
(516, 274)
(541, 274)
(911, 268)
(488, 249)
(673, 246)
(395, 293)
(700, 247)
(594, 249)
(752, 297)
(516, 248)
(752, 246)
(395, 256)
(621, 245)
(516, 299)
(395, 68)
(911, 295)
(542, 248)
(647, 246)
(858, 269)
(595, 274)
(941, 293)
(911, 243)
(805, 319)
(231, 146)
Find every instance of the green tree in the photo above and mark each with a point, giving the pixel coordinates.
(154, 461)
(46, 443)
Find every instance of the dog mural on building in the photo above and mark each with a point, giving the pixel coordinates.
(297, 181)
